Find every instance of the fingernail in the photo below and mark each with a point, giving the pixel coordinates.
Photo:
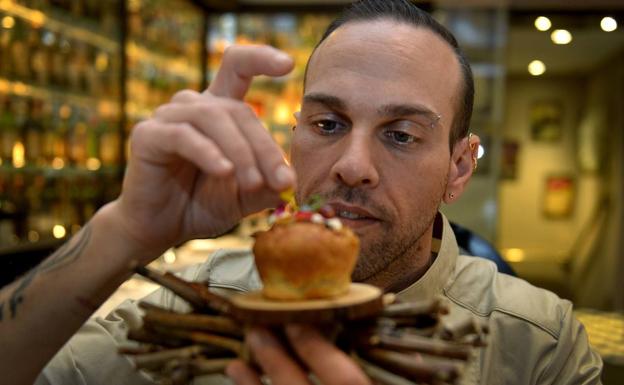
(224, 165)
(253, 177)
(284, 176)
(283, 57)
(259, 337)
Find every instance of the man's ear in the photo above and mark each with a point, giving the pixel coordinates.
(463, 164)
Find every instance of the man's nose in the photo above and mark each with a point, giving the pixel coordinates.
(356, 166)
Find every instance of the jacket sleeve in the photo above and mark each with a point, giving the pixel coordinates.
(573, 360)
(90, 357)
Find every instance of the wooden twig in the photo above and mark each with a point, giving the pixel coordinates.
(202, 366)
(380, 375)
(158, 359)
(411, 309)
(420, 344)
(230, 344)
(415, 366)
(215, 324)
(179, 286)
(421, 321)
(150, 337)
(140, 349)
(456, 329)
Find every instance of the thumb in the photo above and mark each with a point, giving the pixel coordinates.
(241, 63)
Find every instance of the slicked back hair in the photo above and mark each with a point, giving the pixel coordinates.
(407, 12)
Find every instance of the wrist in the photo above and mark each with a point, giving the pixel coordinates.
(111, 225)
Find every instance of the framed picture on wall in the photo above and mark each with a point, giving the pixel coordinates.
(546, 119)
(509, 159)
(559, 196)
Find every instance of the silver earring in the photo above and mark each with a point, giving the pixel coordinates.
(451, 195)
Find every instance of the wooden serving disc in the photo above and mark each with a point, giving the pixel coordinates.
(360, 301)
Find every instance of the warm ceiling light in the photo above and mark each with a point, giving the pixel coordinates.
(93, 164)
(58, 163)
(561, 36)
(514, 255)
(543, 23)
(537, 67)
(8, 22)
(608, 24)
(58, 231)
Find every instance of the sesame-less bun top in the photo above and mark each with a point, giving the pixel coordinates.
(306, 254)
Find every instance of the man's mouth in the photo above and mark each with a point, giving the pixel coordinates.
(353, 216)
(349, 215)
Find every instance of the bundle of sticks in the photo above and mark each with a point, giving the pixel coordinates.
(402, 343)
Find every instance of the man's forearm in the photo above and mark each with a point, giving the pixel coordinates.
(40, 311)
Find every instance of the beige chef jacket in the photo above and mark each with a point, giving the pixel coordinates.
(534, 338)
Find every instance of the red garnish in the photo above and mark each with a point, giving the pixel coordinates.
(303, 216)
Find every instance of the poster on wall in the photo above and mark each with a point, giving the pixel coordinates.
(509, 159)
(546, 120)
(559, 197)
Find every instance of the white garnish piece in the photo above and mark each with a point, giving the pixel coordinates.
(334, 224)
(317, 218)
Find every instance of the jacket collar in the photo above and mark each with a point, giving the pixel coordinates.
(445, 251)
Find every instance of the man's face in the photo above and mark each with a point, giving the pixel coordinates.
(372, 136)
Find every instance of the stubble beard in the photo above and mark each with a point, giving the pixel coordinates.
(393, 244)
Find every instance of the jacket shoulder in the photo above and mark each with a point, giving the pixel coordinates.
(232, 269)
(480, 288)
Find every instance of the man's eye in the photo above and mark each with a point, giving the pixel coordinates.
(328, 126)
(400, 137)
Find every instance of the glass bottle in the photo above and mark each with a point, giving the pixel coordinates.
(48, 121)
(37, 58)
(60, 129)
(50, 47)
(33, 133)
(60, 58)
(77, 139)
(110, 143)
(6, 42)
(18, 152)
(19, 52)
(8, 130)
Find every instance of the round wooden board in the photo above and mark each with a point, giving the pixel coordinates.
(361, 301)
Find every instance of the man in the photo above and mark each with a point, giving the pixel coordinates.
(382, 135)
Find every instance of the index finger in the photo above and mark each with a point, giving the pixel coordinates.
(326, 361)
(241, 63)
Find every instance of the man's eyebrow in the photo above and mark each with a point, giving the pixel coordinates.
(394, 110)
(329, 101)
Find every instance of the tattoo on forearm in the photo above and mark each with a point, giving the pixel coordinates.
(67, 254)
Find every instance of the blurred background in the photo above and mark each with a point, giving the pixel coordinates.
(76, 75)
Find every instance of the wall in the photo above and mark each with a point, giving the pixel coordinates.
(579, 257)
(522, 223)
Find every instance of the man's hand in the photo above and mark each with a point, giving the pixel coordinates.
(204, 161)
(329, 364)
(199, 165)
